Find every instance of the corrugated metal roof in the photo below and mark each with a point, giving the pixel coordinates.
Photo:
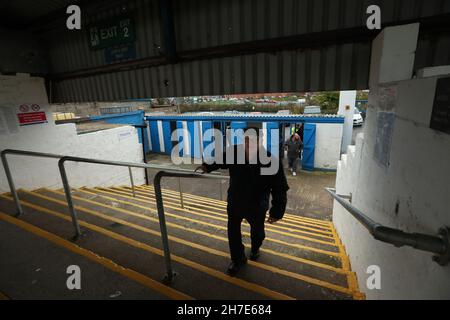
(205, 23)
(20, 13)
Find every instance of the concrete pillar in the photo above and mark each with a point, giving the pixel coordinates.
(347, 101)
(393, 52)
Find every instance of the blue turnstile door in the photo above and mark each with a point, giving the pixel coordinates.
(309, 146)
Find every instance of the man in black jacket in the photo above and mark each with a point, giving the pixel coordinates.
(248, 197)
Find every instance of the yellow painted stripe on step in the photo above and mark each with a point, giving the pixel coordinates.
(297, 259)
(131, 274)
(194, 210)
(222, 208)
(222, 211)
(210, 235)
(299, 246)
(283, 272)
(224, 203)
(344, 257)
(214, 273)
(332, 244)
(280, 271)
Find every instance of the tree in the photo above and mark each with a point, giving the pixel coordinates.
(328, 101)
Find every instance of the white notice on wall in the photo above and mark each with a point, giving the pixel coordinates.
(385, 129)
(124, 135)
(388, 98)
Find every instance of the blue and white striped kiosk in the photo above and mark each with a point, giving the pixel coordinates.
(322, 134)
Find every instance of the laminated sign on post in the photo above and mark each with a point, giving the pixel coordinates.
(31, 114)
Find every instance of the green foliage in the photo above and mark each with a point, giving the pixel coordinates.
(328, 101)
(362, 95)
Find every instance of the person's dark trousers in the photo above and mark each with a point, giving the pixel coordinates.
(257, 233)
(293, 163)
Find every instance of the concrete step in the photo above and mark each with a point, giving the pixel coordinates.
(138, 255)
(43, 276)
(323, 238)
(206, 237)
(302, 258)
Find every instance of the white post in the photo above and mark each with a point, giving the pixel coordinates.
(347, 101)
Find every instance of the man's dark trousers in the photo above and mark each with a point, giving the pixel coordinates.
(257, 233)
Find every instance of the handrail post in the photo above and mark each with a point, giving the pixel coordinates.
(181, 192)
(69, 199)
(11, 184)
(162, 224)
(132, 181)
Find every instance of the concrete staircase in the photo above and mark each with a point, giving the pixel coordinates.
(301, 258)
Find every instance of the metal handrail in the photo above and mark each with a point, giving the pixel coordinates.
(10, 179)
(164, 171)
(160, 207)
(439, 245)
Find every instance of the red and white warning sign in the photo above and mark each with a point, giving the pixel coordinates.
(27, 117)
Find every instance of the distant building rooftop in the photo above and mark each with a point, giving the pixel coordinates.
(231, 116)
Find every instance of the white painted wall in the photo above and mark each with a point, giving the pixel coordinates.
(417, 181)
(347, 102)
(328, 145)
(119, 144)
(22, 88)
(411, 193)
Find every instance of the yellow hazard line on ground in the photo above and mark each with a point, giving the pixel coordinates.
(214, 273)
(337, 241)
(131, 274)
(299, 246)
(301, 260)
(326, 224)
(294, 245)
(205, 223)
(222, 211)
(351, 276)
(214, 236)
(194, 210)
(224, 204)
(221, 208)
(263, 266)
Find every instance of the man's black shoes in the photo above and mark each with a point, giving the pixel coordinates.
(235, 266)
(254, 255)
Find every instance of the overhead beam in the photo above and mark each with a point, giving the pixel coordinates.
(429, 26)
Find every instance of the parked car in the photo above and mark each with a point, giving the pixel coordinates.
(357, 118)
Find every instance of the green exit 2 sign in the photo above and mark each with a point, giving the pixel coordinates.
(111, 33)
